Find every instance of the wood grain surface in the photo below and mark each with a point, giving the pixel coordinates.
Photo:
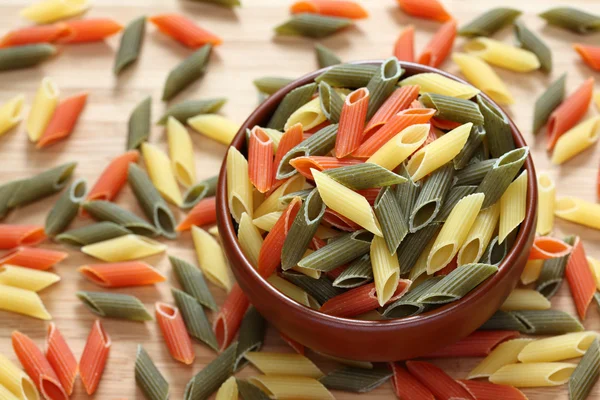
(250, 50)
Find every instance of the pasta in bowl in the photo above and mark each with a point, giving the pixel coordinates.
(396, 224)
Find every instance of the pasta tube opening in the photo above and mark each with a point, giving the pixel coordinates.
(17, 108)
(92, 275)
(470, 252)
(545, 182)
(442, 256)
(585, 343)
(63, 178)
(561, 376)
(51, 389)
(29, 392)
(565, 205)
(475, 46)
(50, 87)
(164, 220)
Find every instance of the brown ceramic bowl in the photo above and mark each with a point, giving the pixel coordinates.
(388, 340)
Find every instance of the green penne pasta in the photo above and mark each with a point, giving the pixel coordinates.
(190, 108)
(188, 71)
(66, 207)
(547, 322)
(198, 191)
(413, 245)
(454, 195)
(586, 374)
(458, 283)
(358, 273)
(25, 56)
(207, 381)
(495, 252)
(431, 197)
(6, 192)
(42, 185)
(302, 230)
(326, 57)
(358, 380)
(250, 392)
(474, 173)
(271, 84)
(391, 217)
(339, 252)
(382, 84)
(148, 377)
(290, 103)
(151, 202)
(192, 281)
(139, 124)
(503, 321)
(321, 289)
(318, 144)
(497, 129)
(474, 142)
(312, 25)
(364, 176)
(195, 319)
(572, 19)
(94, 233)
(489, 22)
(251, 336)
(114, 305)
(547, 102)
(453, 108)
(348, 75)
(109, 211)
(130, 45)
(407, 192)
(504, 170)
(331, 102)
(553, 273)
(224, 3)
(285, 200)
(409, 305)
(530, 41)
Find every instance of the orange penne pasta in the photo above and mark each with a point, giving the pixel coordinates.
(370, 194)
(203, 213)
(61, 359)
(122, 274)
(407, 386)
(33, 35)
(260, 160)
(580, 279)
(440, 45)
(488, 390)
(545, 247)
(173, 330)
(31, 257)
(184, 30)
(445, 124)
(569, 112)
(89, 30)
(321, 163)
(230, 316)
(404, 48)
(398, 101)
(94, 356)
(113, 177)
(352, 122)
(333, 8)
(12, 236)
(291, 138)
(589, 54)
(477, 344)
(391, 128)
(437, 381)
(37, 367)
(298, 348)
(337, 220)
(63, 120)
(428, 9)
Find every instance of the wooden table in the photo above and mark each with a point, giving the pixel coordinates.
(249, 50)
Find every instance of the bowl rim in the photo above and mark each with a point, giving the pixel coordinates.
(227, 229)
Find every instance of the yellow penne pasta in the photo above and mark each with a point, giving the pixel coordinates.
(22, 301)
(271, 203)
(438, 152)
(250, 239)
(546, 200)
(313, 273)
(286, 364)
(228, 390)
(533, 374)
(11, 113)
(430, 82)
(579, 211)
(214, 230)
(291, 387)
(532, 271)
(47, 11)
(26, 278)
(215, 126)
(42, 109)
(309, 115)
(239, 187)
(386, 270)
(557, 348)
(595, 268)
(420, 266)
(576, 140)
(454, 232)
(503, 55)
(211, 258)
(267, 221)
(525, 299)
(6, 394)
(513, 204)
(597, 99)
(480, 235)
(293, 292)
(394, 152)
(346, 202)
(481, 75)
(275, 136)
(161, 173)
(504, 354)
(257, 197)
(124, 248)
(17, 381)
(181, 150)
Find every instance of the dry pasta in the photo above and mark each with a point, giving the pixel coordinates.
(435, 83)
(239, 187)
(124, 248)
(481, 75)
(579, 211)
(161, 173)
(42, 109)
(546, 200)
(503, 55)
(512, 206)
(211, 258)
(215, 126)
(181, 151)
(22, 301)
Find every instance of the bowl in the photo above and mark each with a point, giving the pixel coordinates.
(376, 341)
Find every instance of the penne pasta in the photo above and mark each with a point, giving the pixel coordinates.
(489, 22)
(533, 374)
(576, 140)
(293, 292)
(479, 236)
(546, 201)
(185, 73)
(26, 278)
(12, 236)
(22, 301)
(260, 160)
(405, 385)
(501, 175)
(573, 19)
(228, 390)
(33, 35)
(181, 152)
(481, 75)
(125, 274)
(284, 364)
(42, 109)
(192, 281)
(228, 321)
(94, 357)
(89, 30)
(546, 247)
(438, 48)
(215, 127)
(35, 258)
(66, 207)
(161, 173)
(20, 57)
(557, 348)
(124, 248)
(47, 11)
(478, 344)
(382, 84)
(437, 381)
(11, 113)
(512, 206)
(239, 187)
(251, 336)
(589, 54)
(356, 379)
(352, 121)
(288, 387)
(16, 381)
(195, 318)
(199, 191)
(148, 378)
(203, 213)
(580, 279)
(334, 8)
(174, 332)
(400, 147)
(431, 82)
(586, 374)
(105, 210)
(548, 102)
(211, 258)
(578, 211)
(61, 359)
(89, 234)
(532, 271)
(504, 354)
(482, 389)
(130, 44)
(530, 41)
(309, 116)
(113, 177)
(386, 270)
(404, 45)
(525, 299)
(312, 25)
(326, 57)
(208, 380)
(503, 55)
(552, 273)
(429, 9)
(184, 30)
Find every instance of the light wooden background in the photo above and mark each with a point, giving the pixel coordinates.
(250, 50)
